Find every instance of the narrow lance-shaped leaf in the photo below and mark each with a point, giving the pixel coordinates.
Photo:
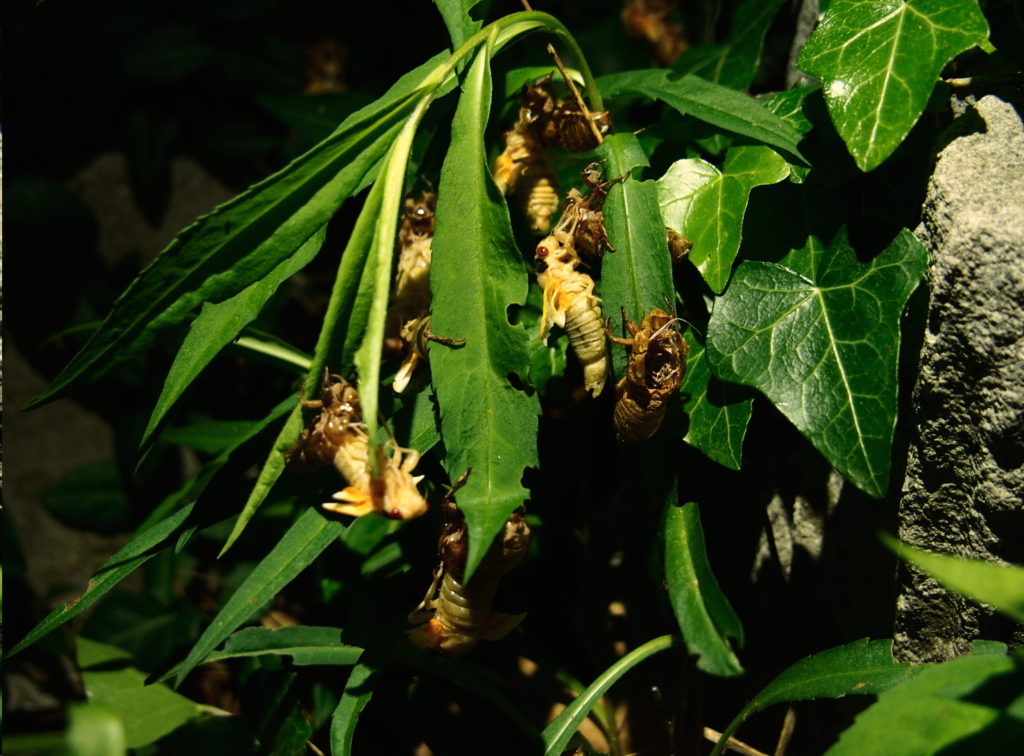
(860, 668)
(638, 274)
(241, 241)
(823, 346)
(357, 694)
(461, 26)
(1001, 585)
(304, 644)
(714, 221)
(703, 612)
(218, 324)
(734, 62)
(879, 61)
(720, 106)
(308, 536)
(476, 274)
(718, 413)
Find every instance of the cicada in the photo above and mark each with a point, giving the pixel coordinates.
(678, 245)
(583, 217)
(337, 436)
(563, 124)
(411, 296)
(656, 366)
(569, 302)
(456, 615)
(524, 169)
(416, 333)
(649, 20)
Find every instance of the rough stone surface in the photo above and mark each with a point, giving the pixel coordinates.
(964, 486)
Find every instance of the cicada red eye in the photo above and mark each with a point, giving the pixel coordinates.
(542, 251)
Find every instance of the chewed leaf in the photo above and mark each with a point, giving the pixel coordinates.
(879, 61)
(823, 346)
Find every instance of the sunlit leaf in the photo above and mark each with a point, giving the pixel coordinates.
(821, 339)
(973, 704)
(678, 188)
(703, 612)
(879, 60)
(461, 26)
(720, 106)
(864, 667)
(733, 63)
(714, 220)
(718, 413)
(1000, 585)
(477, 273)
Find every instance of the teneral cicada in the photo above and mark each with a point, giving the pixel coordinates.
(523, 168)
(338, 437)
(411, 295)
(656, 366)
(456, 615)
(569, 303)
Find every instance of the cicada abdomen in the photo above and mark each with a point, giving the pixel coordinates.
(654, 371)
(456, 615)
(569, 302)
(524, 169)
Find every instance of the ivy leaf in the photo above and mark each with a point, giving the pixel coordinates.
(864, 667)
(820, 339)
(714, 221)
(999, 585)
(678, 188)
(702, 610)
(972, 704)
(879, 61)
(241, 241)
(476, 274)
(638, 275)
(718, 412)
(218, 324)
(720, 106)
(734, 62)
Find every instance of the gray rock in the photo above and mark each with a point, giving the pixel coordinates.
(964, 488)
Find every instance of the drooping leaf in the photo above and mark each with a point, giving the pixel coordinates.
(278, 350)
(241, 241)
(733, 63)
(461, 26)
(148, 711)
(720, 106)
(476, 274)
(714, 221)
(638, 275)
(357, 694)
(308, 536)
(879, 61)
(972, 704)
(306, 645)
(820, 338)
(678, 188)
(718, 412)
(557, 734)
(999, 585)
(218, 324)
(704, 614)
(864, 667)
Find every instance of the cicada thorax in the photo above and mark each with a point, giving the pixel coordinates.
(461, 614)
(654, 371)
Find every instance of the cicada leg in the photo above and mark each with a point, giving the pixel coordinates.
(353, 502)
(425, 609)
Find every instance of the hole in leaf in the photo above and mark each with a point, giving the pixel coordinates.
(512, 313)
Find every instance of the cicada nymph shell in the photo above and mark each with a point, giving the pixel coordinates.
(456, 615)
(563, 124)
(411, 295)
(583, 217)
(678, 245)
(656, 366)
(569, 302)
(337, 436)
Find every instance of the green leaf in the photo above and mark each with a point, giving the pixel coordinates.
(821, 339)
(864, 667)
(718, 412)
(241, 241)
(90, 498)
(705, 617)
(461, 26)
(678, 188)
(307, 645)
(209, 437)
(279, 351)
(714, 221)
(314, 117)
(218, 324)
(734, 62)
(358, 692)
(999, 585)
(972, 704)
(476, 274)
(707, 101)
(638, 275)
(148, 711)
(308, 536)
(879, 61)
(557, 734)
